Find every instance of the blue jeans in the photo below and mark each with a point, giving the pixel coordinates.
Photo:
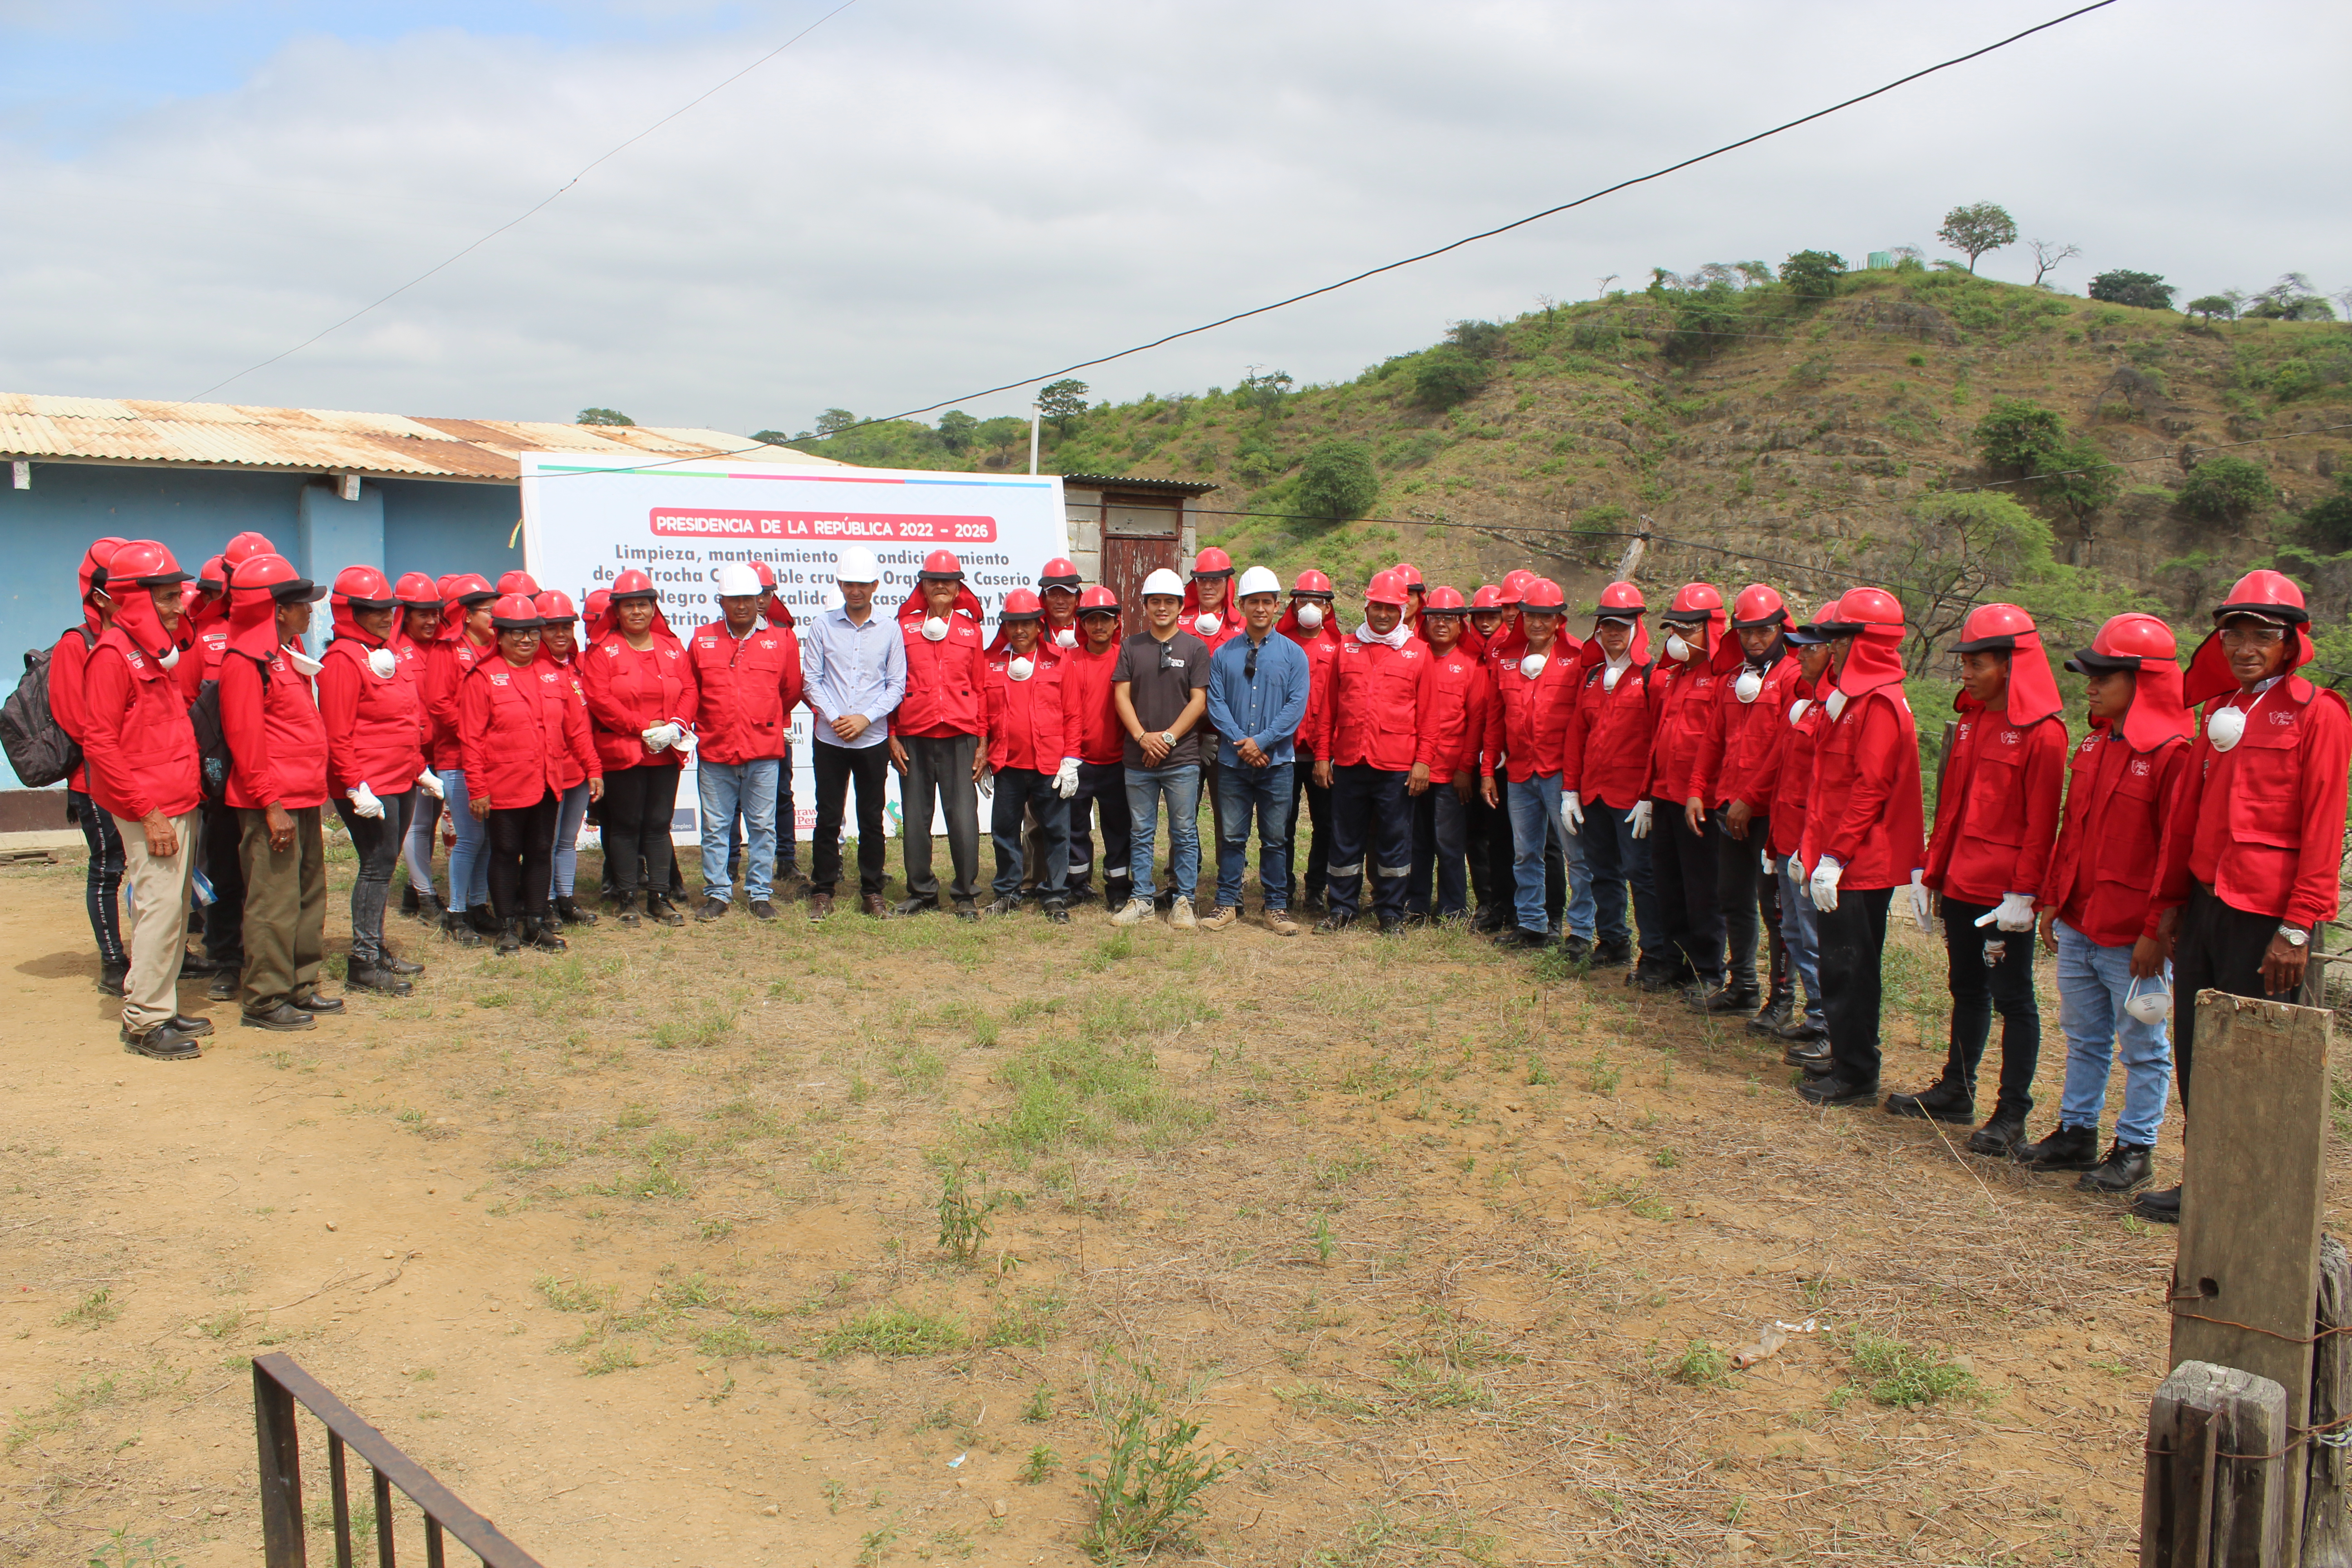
(1619, 865)
(1026, 789)
(726, 788)
(1800, 932)
(1180, 786)
(469, 857)
(417, 851)
(1242, 789)
(2093, 981)
(568, 818)
(1534, 808)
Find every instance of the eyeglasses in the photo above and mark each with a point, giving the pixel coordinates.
(1165, 662)
(1249, 664)
(2259, 635)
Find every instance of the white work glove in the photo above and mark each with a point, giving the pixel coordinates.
(1920, 906)
(430, 782)
(1768, 862)
(363, 801)
(1823, 887)
(1065, 780)
(1639, 817)
(2014, 912)
(1571, 813)
(656, 737)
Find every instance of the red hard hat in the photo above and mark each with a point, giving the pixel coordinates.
(1213, 562)
(1693, 602)
(1097, 600)
(468, 588)
(1312, 585)
(1545, 596)
(271, 574)
(1444, 601)
(554, 605)
(214, 575)
(144, 563)
(1993, 629)
(2270, 594)
(2124, 642)
(765, 573)
(1757, 605)
(417, 592)
(1021, 604)
(1410, 573)
(941, 567)
(516, 613)
(363, 588)
(1860, 608)
(245, 547)
(1490, 597)
(1059, 573)
(442, 584)
(1619, 597)
(1387, 588)
(630, 584)
(517, 581)
(1515, 584)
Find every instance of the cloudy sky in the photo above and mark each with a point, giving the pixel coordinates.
(922, 198)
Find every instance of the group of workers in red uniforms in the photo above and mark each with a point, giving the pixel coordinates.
(1729, 812)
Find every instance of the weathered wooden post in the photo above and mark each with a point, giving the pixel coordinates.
(2216, 1494)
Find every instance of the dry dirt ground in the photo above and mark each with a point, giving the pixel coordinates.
(639, 1249)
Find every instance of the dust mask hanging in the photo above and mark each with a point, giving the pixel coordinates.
(1676, 649)
(1021, 669)
(1532, 667)
(1066, 637)
(1797, 710)
(1747, 685)
(2153, 1005)
(381, 661)
(1836, 703)
(170, 657)
(1609, 677)
(2226, 728)
(304, 665)
(1310, 617)
(1206, 625)
(934, 629)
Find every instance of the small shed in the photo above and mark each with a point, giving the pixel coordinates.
(1123, 529)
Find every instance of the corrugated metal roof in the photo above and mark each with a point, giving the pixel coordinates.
(1120, 482)
(226, 435)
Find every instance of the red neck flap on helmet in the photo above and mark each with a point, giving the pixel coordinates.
(2157, 712)
(135, 617)
(1875, 660)
(93, 562)
(253, 623)
(1637, 652)
(347, 627)
(2032, 689)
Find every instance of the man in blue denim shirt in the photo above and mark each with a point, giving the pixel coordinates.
(1257, 695)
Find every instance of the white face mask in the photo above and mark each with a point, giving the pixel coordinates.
(1533, 665)
(934, 629)
(1836, 703)
(1310, 615)
(1021, 669)
(1609, 677)
(1206, 625)
(381, 661)
(1066, 637)
(2153, 1005)
(1747, 685)
(2226, 728)
(303, 663)
(171, 657)
(1797, 710)
(1676, 649)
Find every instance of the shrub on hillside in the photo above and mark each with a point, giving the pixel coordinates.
(1480, 340)
(2226, 489)
(1446, 376)
(2329, 519)
(2017, 432)
(1338, 481)
(2147, 290)
(1812, 275)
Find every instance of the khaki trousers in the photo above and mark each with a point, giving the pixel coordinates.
(159, 922)
(285, 907)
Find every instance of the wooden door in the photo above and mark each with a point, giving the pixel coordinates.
(1140, 535)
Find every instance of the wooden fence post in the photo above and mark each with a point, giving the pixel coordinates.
(2201, 1507)
(2326, 1533)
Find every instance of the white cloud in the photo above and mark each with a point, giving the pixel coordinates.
(923, 198)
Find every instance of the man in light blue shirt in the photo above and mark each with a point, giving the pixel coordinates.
(854, 673)
(1257, 695)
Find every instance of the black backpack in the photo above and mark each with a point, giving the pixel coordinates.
(38, 747)
(214, 759)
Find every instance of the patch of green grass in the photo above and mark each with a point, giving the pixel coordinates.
(609, 1359)
(1429, 1381)
(94, 1310)
(1895, 1373)
(1702, 1366)
(1602, 1075)
(1042, 1463)
(733, 1340)
(567, 1296)
(917, 1069)
(888, 1329)
(122, 1552)
(1325, 1400)
(1339, 1173)
(1031, 1320)
(1087, 1092)
(1039, 1406)
(1383, 1538)
(1145, 1487)
(711, 1027)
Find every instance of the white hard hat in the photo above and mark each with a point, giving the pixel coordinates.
(1163, 582)
(737, 581)
(1257, 580)
(856, 564)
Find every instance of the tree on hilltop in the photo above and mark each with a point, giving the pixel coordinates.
(1061, 401)
(1812, 275)
(2049, 256)
(2146, 290)
(602, 416)
(1977, 228)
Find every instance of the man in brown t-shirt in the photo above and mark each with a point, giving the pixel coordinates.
(1159, 690)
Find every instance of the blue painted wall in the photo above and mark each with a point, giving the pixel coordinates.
(400, 525)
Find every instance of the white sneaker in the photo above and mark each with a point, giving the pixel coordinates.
(1179, 915)
(1136, 910)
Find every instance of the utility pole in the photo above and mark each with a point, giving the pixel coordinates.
(1033, 438)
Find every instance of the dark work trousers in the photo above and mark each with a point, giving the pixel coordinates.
(1853, 936)
(224, 869)
(1423, 807)
(1499, 892)
(1555, 882)
(1683, 863)
(522, 857)
(1743, 889)
(1977, 991)
(1370, 814)
(1021, 793)
(939, 767)
(1618, 864)
(1479, 823)
(376, 844)
(1445, 850)
(2219, 948)
(838, 768)
(1307, 892)
(1207, 869)
(638, 805)
(103, 886)
(284, 909)
(1103, 784)
(788, 853)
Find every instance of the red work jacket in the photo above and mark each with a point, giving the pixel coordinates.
(2109, 857)
(1094, 733)
(1320, 651)
(520, 732)
(1461, 716)
(375, 723)
(575, 770)
(1028, 721)
(1997, 815)
(1606, 757)
(446, 664)
(1533, 718)
(202, 661)
(947, 682)
(746, 688)
(1754, 735)
(629, 693)
(1800, 722)
(142, 749)
(276, 742)
(1689, 738)
(1377, 697)
(1865, 811)
(67, 660)
(2263, 823)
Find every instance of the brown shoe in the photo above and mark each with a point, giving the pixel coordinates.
(820, 906)
(872, 904)
(1220, 918)
(1279, 922)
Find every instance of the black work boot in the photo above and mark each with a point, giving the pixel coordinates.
(568, 910)
(485, 919)
(509, 936)
(2067, 1148)
(1775, 1013)
(1832, 1090)
(408, 899)
(160, 1042)
(626, 910)
(459, 930)
(2127, 1169)
(429, 908)
(663, 912)
(111, 978)
(1949, 1099)
(2158, 1208)
(1734, 995)
(1611, 954)
(1813, 1058)
(364, 976)
(2001, 1135)
(390, 961)
(548, 934)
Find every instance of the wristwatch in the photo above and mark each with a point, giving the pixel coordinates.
(1168, 738)
(2295, 935)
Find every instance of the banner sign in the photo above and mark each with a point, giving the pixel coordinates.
(585, 521)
